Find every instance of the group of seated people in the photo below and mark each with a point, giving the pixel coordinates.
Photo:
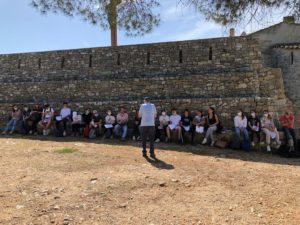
(91, 124)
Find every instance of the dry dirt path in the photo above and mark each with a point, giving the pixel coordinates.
(107, 184)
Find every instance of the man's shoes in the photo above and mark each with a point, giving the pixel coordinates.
(204, 141)
(145, 154)
(152, 155)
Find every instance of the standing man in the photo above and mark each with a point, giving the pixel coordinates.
(148, 114)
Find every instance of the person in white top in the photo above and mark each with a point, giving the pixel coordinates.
(64, 117)
(163, 124)
(174, 125)
(47, 117)
(240, 125)
(109, 122)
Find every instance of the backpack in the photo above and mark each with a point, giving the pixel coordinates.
(246, 145)
(92, 133)
(288, 151)
(58, 132)
(86, 132)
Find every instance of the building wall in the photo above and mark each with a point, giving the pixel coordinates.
(226, 73)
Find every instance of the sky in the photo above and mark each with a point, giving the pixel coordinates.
(24, 29)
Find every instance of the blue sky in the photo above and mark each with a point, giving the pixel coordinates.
(24, 29)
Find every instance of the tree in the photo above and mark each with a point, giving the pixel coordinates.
(228, 12)
(136, 17)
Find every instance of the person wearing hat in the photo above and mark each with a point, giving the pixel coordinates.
(64, 117)
(147, 113)
(47, 117)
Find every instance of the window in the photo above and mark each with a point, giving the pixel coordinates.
(148, 58)
(40, 63)
(210, 56)
(180, 56)
(62, 62)
(91, 61)
(119, 60)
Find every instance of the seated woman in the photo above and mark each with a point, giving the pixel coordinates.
(34, 118)
(163, 122)
(212, 122)
(47, 118)
(86, 120)
(268, 127)
(186, 123)
(76, 123)
(15, 116)
(254, 127)
(174, 125)
(198, 125)
(109, 122)
(240, 126)
(64, 117)
(26, 123)
(287, 121)
(96, 124)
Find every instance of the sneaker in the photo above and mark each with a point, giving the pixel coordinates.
(278, 145)
(11, 132)
(64, 133)
(44, 132)
(157, 140)
(253, 144)
(30, 132)
(138, 138)
(212, 144)
(268, 148)
(204, 141)
(133, 138)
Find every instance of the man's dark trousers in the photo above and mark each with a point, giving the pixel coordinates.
(148, 131)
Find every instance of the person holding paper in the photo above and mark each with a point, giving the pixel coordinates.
(64, 117)
(197, 124)
(148, 113)
(240, 125)
(186, 124)
(109, 122)
(268, 127)
(254, 127)
(174, 125)
(76, 123)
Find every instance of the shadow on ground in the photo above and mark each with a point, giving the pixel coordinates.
(253, 156)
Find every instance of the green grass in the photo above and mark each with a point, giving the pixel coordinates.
(66, 150)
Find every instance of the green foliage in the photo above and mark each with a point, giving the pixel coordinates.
(66, 150)
(228, 12)
(136, 17)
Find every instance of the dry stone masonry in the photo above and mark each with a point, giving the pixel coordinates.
(224, 72)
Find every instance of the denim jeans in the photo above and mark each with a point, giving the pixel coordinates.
(245, 133)
(288, 134)
(11, 125)
(121, 130)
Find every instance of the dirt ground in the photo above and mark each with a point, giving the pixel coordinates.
(105, 182)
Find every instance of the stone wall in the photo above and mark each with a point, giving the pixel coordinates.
(226, 73)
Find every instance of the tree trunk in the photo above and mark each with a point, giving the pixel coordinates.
(112, 18)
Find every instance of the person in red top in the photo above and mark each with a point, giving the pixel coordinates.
(287, 121)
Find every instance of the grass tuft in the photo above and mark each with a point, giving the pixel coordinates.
(66, 150)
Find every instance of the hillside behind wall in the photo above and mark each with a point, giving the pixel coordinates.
(226, 73)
